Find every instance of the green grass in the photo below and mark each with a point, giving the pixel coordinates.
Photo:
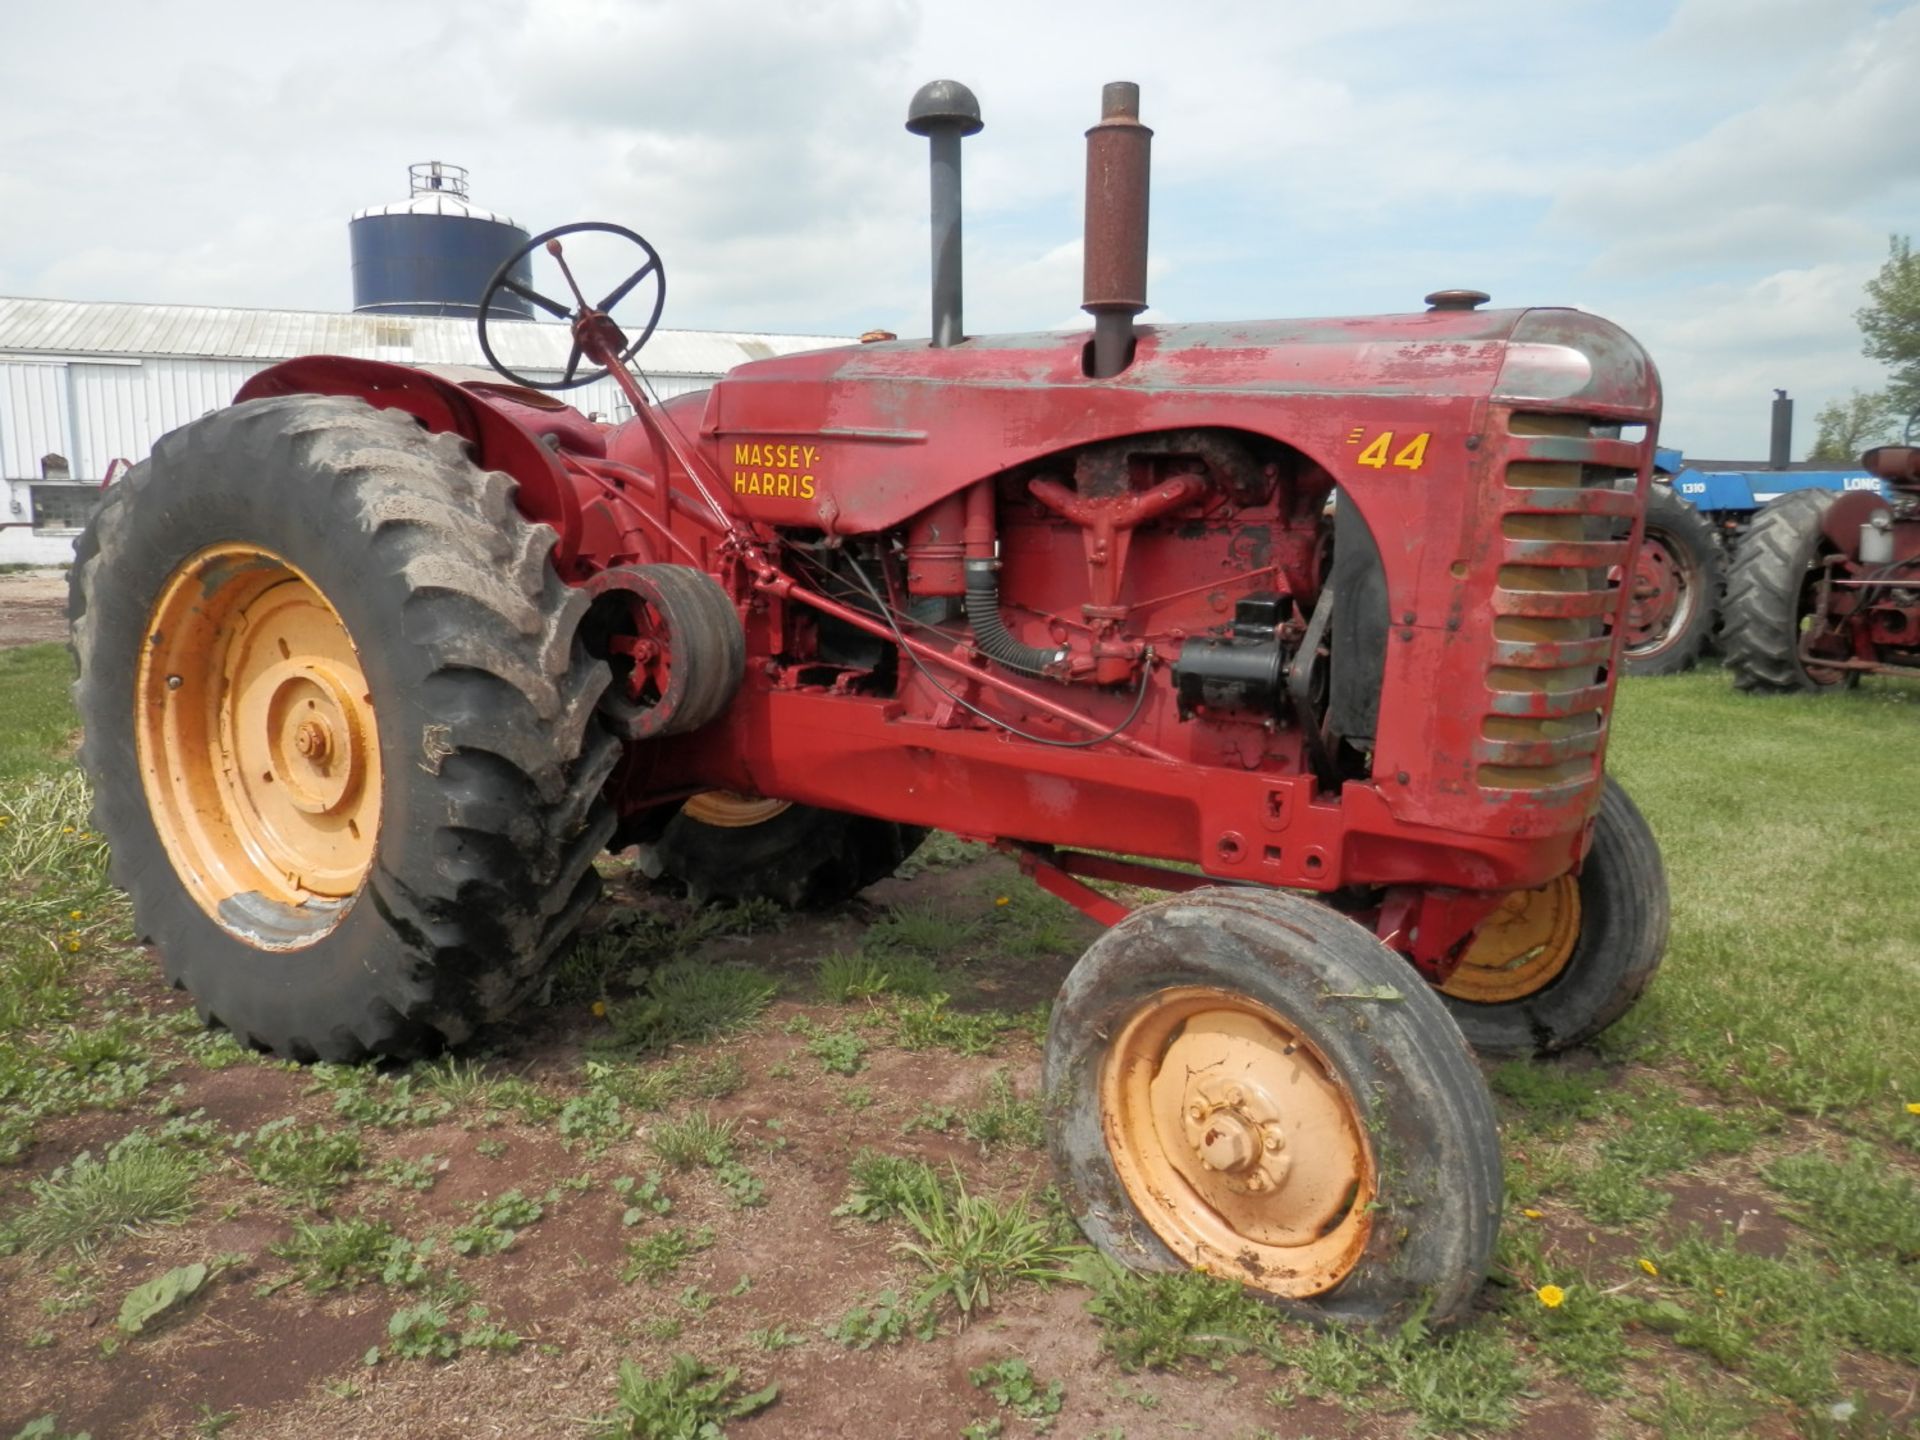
(307, 1164)
(36, 715)
(685, 1002)
(691, 1399)
(1787, 824)
(81, 1206)
(973, 1245)
(695, 1139)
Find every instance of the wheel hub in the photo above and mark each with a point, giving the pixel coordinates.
(256, 735)
(1660, 588)
(1234, 1140)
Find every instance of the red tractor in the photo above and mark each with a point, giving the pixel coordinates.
(1826, 587)
(372, 665)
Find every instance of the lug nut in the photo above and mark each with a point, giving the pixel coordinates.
(311, 740)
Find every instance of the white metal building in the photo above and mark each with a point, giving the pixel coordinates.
(85, 383)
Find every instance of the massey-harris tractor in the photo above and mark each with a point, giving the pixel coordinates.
(373, 664)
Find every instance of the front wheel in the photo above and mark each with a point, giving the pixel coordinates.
(1248, 1083)
(1555, 966)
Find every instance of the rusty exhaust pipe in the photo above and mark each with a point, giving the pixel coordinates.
(1115, 286)
(946, 112)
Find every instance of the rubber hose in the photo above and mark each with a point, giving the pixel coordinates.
(990, 631)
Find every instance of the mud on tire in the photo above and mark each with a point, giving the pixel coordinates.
(491, 757)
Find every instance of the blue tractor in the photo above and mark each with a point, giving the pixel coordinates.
(1697, 515)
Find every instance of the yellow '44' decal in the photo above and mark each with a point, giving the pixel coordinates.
(1410, 456)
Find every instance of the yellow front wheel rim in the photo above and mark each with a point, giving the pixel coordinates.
(1236, 1141)
(1522, 947)
(256, 739)
(731, 811)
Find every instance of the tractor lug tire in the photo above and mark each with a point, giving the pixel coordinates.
(804, 858)
(1767, 598)
(491, 755)
(1414, 1093)
(1624, 918)
(1688, 538)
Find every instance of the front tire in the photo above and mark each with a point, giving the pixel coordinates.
(342, 741)
(1247, 1082)
(1560, 964)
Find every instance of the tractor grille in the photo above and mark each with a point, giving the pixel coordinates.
(1562, 553)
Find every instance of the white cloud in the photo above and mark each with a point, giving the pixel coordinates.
(1719, 178)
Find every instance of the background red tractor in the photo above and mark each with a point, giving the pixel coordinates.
(372, 665)
(1826, 587)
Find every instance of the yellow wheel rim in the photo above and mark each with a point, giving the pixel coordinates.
(1521, 947)
(255, 734)
(1236, 1141)
(731, 811)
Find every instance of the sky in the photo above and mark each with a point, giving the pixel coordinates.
(1719, 176)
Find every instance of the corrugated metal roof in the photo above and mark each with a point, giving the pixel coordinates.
(31, 327)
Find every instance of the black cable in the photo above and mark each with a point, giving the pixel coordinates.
(886, 613)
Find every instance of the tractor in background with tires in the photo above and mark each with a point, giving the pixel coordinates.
(372, 665)
(1699, 513)
(1826, 586)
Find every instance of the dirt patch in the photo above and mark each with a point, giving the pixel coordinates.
(33, 607)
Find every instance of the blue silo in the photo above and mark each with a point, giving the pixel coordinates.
(433, 254)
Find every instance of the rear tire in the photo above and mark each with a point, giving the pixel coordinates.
(1771, 594)
(1378, 1155)
(801, 857)
(478, 725)
(1680, 565)
(1621, 915)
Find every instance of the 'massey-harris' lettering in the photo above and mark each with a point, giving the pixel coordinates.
(774, 469)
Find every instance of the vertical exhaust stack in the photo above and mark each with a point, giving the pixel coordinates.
(1780, 454)
(946, 112)
(1119, 155)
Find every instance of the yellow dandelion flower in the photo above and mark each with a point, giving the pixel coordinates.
(75, 915)
(1649, 1267)
(1551, 1296)
(67, 831)
(1913, 1106)
(74, 946)
(1008, 900)
(599, 1007)
(1532, 1214)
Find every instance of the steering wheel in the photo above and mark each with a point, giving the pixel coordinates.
(503, 280)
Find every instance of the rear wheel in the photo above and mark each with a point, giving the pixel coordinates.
(1556, 966)
(1674, 587)
(1246, 1082)
(727, 847)
(1772, 597)
(342, 741)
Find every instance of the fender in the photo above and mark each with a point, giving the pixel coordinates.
(503, 424)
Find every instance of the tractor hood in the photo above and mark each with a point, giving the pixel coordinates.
(858, 439)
